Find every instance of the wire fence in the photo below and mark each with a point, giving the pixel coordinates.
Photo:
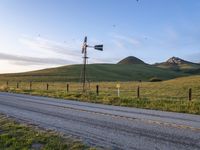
(146, 90)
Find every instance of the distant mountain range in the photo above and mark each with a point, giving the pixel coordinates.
(128, 69)
(174, 63)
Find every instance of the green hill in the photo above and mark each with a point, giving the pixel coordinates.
(96, 72)
(131, 60)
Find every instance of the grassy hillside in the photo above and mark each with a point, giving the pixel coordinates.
(96, 72)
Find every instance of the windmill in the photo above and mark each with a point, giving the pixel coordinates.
(84, 52)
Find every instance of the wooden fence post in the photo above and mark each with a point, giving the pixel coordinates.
(47, 86)
(17, 85)
(30, 86)
(67, 87)
(7, 84)
(138, 92)
(97, 89)
(190, 94)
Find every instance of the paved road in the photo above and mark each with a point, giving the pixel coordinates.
(107, 126)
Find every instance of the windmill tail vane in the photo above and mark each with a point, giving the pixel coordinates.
(98, 47)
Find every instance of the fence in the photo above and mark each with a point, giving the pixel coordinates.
(146, 90)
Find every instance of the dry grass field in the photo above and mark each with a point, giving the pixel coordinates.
(171, 95)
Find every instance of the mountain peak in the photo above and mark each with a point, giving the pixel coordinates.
(131, 60)
(175, 60)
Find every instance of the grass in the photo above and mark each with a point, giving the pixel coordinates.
(95, 72)
(171, 95)
(16, 136)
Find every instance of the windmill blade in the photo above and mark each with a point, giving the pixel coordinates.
(98, 47)
(83, 49)
(85, 39)
(84, 44)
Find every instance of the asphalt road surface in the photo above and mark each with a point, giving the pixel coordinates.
(105, 126)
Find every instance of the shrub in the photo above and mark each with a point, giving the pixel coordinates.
(154, 79)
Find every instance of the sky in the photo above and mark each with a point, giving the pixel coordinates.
(36, 34)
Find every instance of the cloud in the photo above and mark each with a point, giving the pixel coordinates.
(24, 60)
(124, 45)
(119, 44)
(195, 57)
(72, 48)
(130, 40)
(181, 39)
(69, 49)
(125, 42)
